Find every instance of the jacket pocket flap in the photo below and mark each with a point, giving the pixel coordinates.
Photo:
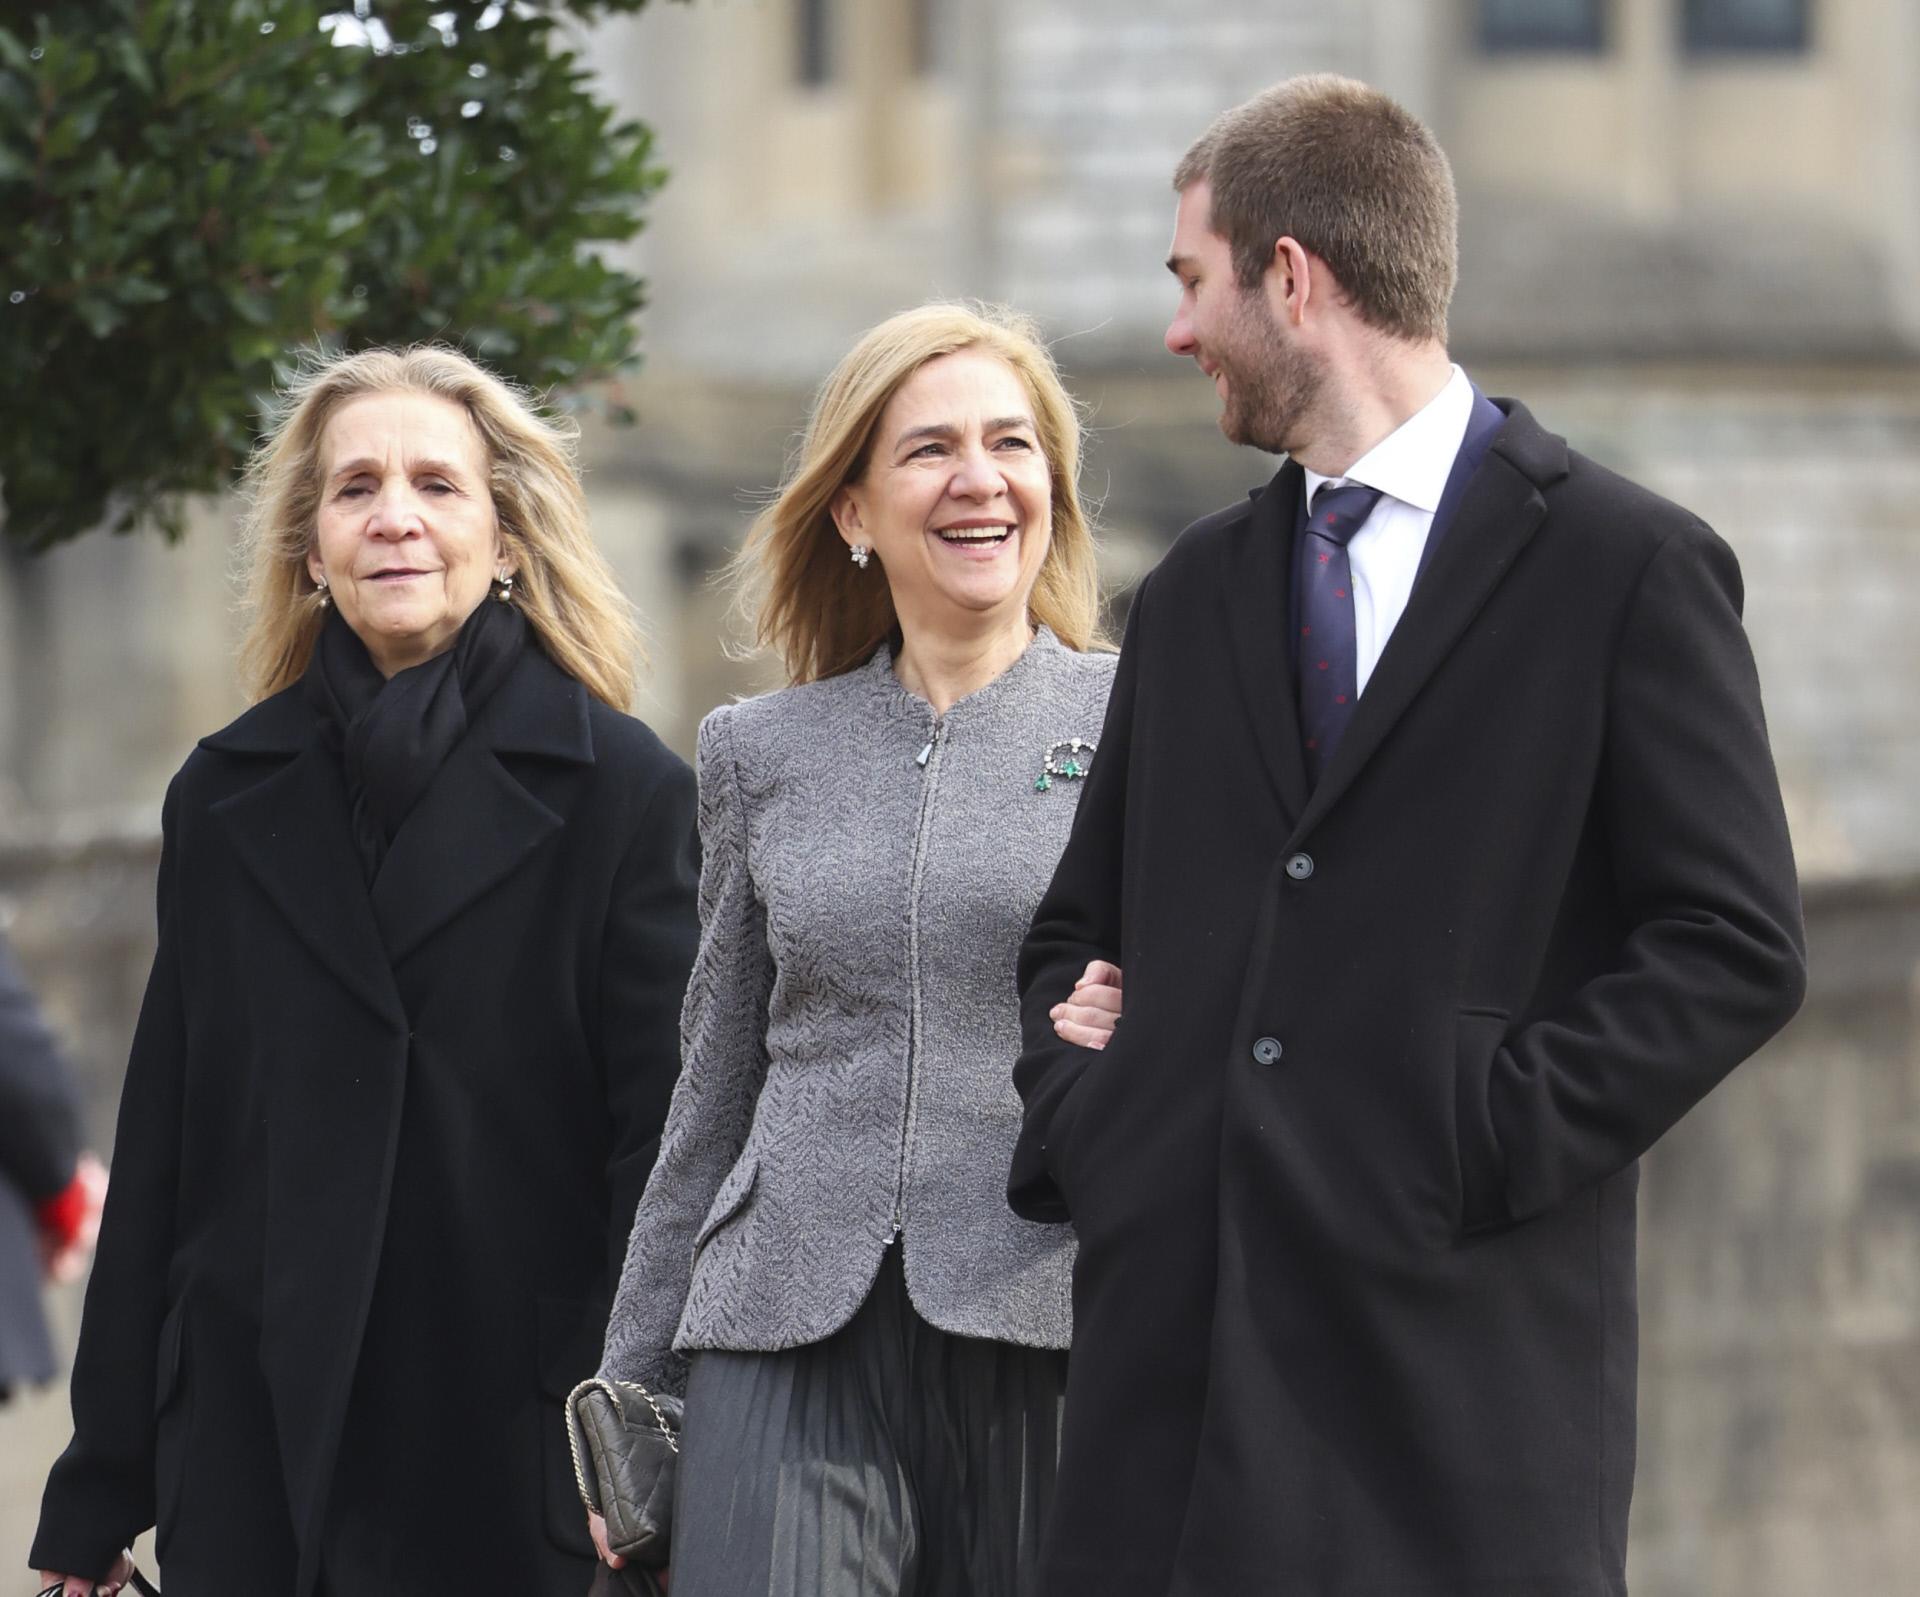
(732, 1197)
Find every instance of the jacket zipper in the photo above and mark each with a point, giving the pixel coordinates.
(929, 761)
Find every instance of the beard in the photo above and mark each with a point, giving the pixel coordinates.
(1272, 384)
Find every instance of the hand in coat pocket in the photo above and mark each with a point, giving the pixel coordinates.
(1479, 1170)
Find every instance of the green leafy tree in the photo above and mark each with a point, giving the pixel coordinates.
(190, 190)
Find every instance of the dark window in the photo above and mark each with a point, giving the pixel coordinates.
(1541, 24)
(928, 37)
(1744, 24)
(813, 41)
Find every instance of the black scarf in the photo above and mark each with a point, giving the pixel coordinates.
(394, 733)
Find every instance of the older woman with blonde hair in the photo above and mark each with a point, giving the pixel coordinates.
(870, 1344)
(426, 916)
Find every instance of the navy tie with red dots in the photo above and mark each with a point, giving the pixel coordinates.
(1329, 651)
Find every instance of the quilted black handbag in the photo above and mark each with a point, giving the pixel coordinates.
(625, 1441)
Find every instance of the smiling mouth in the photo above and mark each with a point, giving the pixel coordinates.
(399, 575)
(973, 537)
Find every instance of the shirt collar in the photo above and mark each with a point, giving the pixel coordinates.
(1412, 463)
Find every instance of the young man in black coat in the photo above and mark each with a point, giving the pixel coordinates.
(1435, 829)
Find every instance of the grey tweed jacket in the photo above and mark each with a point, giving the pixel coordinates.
(851, 1024)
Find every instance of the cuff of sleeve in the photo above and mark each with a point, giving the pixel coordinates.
(1035, 1190)
(74, 1550)
(664, 1374)
(1032, 1193)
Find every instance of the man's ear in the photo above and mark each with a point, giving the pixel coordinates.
(1290, 280)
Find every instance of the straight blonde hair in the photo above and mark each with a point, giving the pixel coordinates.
(561, 580)
(798, 591)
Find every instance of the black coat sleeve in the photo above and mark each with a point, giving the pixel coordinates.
(652, 930)
(100, 1494)
(39, 1108)
(1713, 961)
(1078, 921)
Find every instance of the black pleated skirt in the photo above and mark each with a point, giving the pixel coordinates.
(891, 1460)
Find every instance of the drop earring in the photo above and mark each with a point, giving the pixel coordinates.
(326, 598)
(505, 579)
(861, 555)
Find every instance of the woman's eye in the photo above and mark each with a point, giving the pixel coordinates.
(1017, 442)
(438, 487)
(354, 490)
(926, 449)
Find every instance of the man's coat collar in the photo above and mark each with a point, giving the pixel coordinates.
(1499, 508)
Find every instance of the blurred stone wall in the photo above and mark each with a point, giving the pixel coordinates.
(77, 907)
(1780, 1292)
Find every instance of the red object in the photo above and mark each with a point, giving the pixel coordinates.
(62, 1215)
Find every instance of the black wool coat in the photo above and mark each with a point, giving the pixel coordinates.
(378, 1156)
(1354, 1181)
(39, 1148)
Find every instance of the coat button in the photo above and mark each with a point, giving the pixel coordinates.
(1266, 1051)
(1300, 866)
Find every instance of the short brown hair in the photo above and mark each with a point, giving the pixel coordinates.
(1353, 177)
(807, 600)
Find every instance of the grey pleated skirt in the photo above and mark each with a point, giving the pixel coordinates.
(890, 1460)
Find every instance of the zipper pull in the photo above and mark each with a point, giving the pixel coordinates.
(924, 755)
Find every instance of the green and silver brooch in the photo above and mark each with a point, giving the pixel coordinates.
(1069, 761)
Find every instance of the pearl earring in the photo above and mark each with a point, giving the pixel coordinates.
(505, 579)
(326, 598)
(861, 555)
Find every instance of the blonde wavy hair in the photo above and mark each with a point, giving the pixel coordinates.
(799, 593)
(561, 580)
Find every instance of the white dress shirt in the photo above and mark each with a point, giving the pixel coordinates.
(1410, 467)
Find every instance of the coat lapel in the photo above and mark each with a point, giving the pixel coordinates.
(291, 833)
(1257, 591)
(1499, 508)
(478, 822)
(475, 824)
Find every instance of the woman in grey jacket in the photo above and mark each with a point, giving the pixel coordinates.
(876, 1342)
